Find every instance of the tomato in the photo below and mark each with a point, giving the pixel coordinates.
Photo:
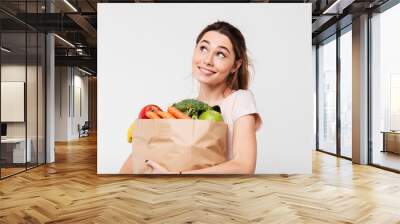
(151, 107)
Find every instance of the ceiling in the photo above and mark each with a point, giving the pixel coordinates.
(76, 22)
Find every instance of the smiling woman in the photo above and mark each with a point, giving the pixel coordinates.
(220, 64)
(221, 50)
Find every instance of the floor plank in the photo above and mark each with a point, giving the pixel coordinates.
(70, 191)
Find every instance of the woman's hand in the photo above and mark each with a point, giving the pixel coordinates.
(158, 169)
(127, 168)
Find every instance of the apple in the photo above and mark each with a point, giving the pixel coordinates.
(211, 115)
(151, 107)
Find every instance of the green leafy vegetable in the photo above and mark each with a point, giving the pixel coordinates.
(192, 107)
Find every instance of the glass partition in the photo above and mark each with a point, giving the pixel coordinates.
(327, 96)
(32, 95)
(22, 63)
(41, 91)
(13, 105)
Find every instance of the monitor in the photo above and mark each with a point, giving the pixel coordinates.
(3, 129)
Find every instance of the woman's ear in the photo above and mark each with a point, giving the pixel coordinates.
(237, 65)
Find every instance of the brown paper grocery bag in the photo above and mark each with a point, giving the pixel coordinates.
(178, 144)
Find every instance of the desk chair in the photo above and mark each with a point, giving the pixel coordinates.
(84, 130)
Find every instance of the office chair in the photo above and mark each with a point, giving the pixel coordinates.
(84, 130)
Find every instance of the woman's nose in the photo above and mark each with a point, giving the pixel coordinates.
(208, 59)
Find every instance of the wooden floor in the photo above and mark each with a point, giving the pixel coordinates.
(5, 172)
(10, 171)
(70, 191)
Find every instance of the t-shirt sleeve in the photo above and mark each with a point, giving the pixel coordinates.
(245, 104)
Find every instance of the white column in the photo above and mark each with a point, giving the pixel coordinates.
(50, 92)
(360, 90)
(50, 100)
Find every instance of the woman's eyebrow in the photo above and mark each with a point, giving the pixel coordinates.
(206, 41)
(225, 48)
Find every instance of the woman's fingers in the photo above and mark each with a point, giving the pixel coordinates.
(157, 168)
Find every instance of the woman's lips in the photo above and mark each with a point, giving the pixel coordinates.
(206, 71)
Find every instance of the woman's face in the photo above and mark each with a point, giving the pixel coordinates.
(213, 58)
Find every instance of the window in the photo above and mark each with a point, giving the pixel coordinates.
(346, 94)
(327, 96)
(385, 88)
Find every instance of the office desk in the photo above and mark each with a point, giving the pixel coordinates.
(15, 148)
(391, 141)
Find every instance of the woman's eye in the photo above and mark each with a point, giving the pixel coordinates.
(221, 55)
(203, 49)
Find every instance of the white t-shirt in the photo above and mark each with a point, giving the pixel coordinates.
(234, 106)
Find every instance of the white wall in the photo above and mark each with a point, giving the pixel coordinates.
(150, 62)
(314, 73)
(80, 88)
(68, 81)
(15, 72)
(61, 103)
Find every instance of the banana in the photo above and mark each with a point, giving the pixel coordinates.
(130, 130)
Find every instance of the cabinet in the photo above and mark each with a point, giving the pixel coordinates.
(391, 141)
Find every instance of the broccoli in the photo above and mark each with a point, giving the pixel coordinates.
(192, 107)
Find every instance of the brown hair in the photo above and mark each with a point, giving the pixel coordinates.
(239, 79)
